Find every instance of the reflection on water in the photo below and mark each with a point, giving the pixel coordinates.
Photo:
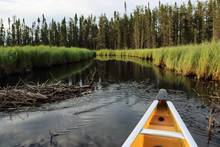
(104, 118)
(48, 75)
(167, 79)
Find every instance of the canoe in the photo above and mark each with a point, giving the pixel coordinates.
(161, 126)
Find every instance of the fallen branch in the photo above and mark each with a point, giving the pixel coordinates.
(213, 123)
(12, 98)
(209, 96)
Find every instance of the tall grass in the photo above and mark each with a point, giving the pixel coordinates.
(20, 59)
(202, 61)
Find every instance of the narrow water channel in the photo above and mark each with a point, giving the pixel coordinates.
(104, 118)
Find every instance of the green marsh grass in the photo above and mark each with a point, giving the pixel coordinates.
(202, 61)
(20, 59)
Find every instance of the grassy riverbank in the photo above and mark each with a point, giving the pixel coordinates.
(21, 59)
(202, 61)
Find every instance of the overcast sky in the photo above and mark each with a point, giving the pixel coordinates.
(57, 9)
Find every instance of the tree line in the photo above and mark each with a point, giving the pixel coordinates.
(165, 25)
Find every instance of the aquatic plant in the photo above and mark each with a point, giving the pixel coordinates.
(201, 60)
(20, 59)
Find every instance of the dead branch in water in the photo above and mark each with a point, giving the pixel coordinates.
(216, 96)
(13, 97)
(214, 112)
(213, 123)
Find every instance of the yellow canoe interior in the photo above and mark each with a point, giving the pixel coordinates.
(161, 119)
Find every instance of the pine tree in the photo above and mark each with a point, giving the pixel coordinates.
(37, 33)
(2, 33)
(81, 29)
(148, 31)
(13, 31)
(182, 25)
(58, 35)
(93, 34)
(53, 33)
(44, 31)
(18, 31)
(188, 29)
(199, 23)
(124, 31)
(33, 33)
(142, 28)
(170, 27)
(116, 30)
(175, 25)
(101, 37)
(111, 33)
(70, 32)
(139, 27)
(130, 36)
(75, 31)
(25, 35)
(8, 36)
(63, 33)
(106, 26)
(165, 25)
(216, 22)
(154, 29)
(209, 13)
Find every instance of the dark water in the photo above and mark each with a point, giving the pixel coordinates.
(104, 118)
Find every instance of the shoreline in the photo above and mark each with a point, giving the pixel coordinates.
(201, 61)
(19, 60)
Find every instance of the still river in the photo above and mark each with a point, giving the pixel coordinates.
(106, 116)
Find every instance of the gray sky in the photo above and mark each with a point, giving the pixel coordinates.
(57, 9)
